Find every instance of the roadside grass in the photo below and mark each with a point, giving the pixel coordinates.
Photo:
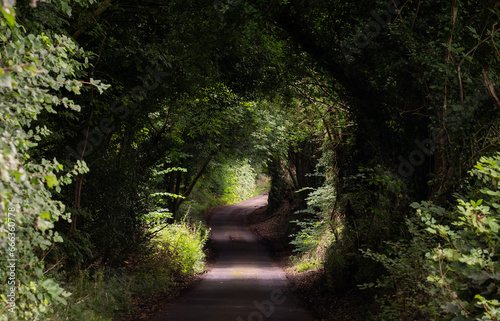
(305, 263)
(310, 250)
(104, 294)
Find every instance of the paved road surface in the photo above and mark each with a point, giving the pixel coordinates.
(244, 284)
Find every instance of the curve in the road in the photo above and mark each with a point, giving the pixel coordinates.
(244, 284)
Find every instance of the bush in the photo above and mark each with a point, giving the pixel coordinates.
(180, 247)
(314, 233)
(450, 268)
(103, 293)
(96, 297)
(28, 211)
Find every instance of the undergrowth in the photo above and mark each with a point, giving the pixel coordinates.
(103, 293)
(314, 234)
(449, 269)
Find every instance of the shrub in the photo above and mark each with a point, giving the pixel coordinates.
(181, 246)
(27, 210)
(103, 293)
(449, 270)
(96, 297)
(465, 266)
(314, 233)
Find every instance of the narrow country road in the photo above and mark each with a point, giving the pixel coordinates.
(244, 283)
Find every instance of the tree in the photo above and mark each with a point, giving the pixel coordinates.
(35, 71)
(417, 81)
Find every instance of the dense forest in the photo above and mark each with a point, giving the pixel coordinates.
(375, 123)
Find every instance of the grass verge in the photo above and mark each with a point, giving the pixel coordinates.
(138, 289)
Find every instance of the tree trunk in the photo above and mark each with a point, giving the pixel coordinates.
(79, 178)
(192, 185)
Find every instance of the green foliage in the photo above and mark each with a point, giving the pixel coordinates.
(181, 245)
(234, 182)
(406, 264)
(226, 181)
(466, 267)
(368, 214)
(176, 250)
(106, 293)
(37, 72)
(307, 262)
(314, 234)
(449, 269)
(314, 222)
(98, 297)
(378, 196)
(184, 110)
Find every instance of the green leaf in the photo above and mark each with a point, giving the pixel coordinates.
(10, 16)
(65, 8)
(45, 215)
(51, 180)
(6, 80)
(494, 227)
(62, 300)
(17, 175)
(32, 70)
(450, 307)
(451, 254)
(431, 230)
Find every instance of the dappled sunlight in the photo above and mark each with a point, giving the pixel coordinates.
(245, 271)
(244, 282)
(128, 127)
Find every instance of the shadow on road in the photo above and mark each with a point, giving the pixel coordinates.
(243, 284)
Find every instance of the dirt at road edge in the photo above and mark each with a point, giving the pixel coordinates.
(310, 285)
